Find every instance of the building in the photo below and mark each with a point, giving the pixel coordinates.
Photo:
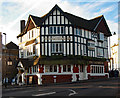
(9, 57)
(114, 52)
(61, 47)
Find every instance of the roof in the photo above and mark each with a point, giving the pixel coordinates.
(75, 20)
(26, 62)
(12, 45)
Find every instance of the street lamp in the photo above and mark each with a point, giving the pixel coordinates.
(9, 61)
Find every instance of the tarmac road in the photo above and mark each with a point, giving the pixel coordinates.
(110, 87)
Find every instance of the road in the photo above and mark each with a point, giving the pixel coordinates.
(110, 87)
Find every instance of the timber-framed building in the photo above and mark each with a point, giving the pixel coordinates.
(61, 47)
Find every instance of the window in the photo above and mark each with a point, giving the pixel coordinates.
(22, 55)
(54, 30)
(47, 68)
(100, 52)
(57, 47)
(62, 30)
(53, 47)
(55, 68)
(101, 36)
(33, 49)
(84, 49)
(64, 68)
(69, 68)
(80, 32)
(32, 33)
(51, 69)
(97, 69)
(58, 30)
(20, 39)
(29, 35)
(84, 33)
(50, 30)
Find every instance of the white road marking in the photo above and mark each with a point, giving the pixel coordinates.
(45, 94)
(73, 92)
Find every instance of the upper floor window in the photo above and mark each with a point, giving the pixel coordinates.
(101, 36)
(62, 30)
(56, 30)
(20, 39)
(100, 52)
(29, 34)
(57, 47)
(33, 49)
(32, 33)
(78, 31)
(51, 30)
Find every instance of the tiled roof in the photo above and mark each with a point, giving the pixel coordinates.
(75, 20)
(12, 45)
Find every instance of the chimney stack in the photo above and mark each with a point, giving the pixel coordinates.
(22, 25)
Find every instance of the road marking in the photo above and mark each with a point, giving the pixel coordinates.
(73, 92)
(45, 94)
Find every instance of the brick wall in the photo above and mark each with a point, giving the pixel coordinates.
(47, 79)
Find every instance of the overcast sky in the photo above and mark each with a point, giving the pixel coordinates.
(12, 11)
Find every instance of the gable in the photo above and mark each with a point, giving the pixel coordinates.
(103, 27)
(56, 16)
(30, 25)
(20, 65)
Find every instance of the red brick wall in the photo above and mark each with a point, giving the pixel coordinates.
(97, 77)
(47, 79)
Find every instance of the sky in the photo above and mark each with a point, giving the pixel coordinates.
(12, 11)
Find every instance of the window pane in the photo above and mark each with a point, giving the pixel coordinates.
(64, 68)
(56, 47)
(61, 30)
(51, 30)
(58, 30)
(51, 68)
(69, 68)
(55, 68)
(54, 30)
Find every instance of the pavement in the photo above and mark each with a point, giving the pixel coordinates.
(53, 84)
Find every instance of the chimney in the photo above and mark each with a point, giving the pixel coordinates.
(22, 25)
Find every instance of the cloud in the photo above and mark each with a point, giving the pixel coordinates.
(105, 10)
(112, 25)
(22, 8)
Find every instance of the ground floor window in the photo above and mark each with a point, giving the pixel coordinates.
(97, 69)
(50, 68)
(66, 68)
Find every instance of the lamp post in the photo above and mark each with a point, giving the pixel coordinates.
(5, 62)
